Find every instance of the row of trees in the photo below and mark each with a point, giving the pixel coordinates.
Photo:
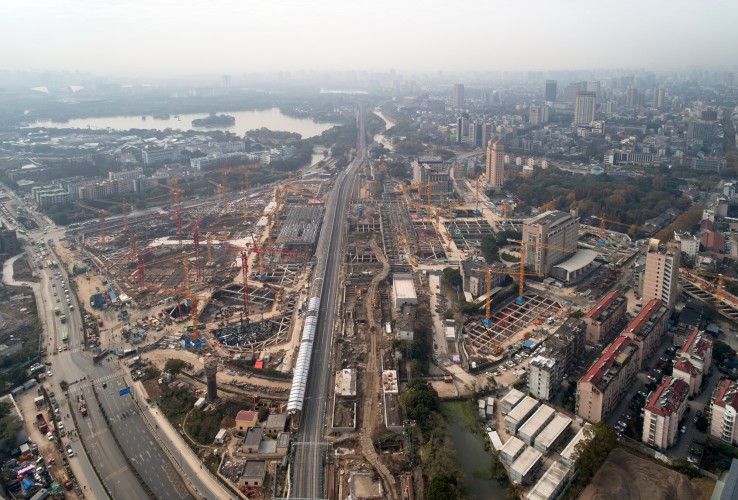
(420, 404)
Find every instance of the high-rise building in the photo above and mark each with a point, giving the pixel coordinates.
(659, 98)
(593, 86)
(554, 229)
(584, 108)
(495, 163)
(534, 115)
(632, 98)
(458, 97)
(555, 359)
(487, 130)
(550, 94)
(661, 274)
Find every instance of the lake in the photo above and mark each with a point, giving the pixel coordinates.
(272, 119)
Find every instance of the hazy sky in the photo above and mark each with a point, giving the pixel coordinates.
(128, 37)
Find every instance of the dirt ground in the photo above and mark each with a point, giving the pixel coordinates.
(626, 476)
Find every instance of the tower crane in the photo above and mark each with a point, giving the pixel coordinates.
(101, 215)
(508, 272)
(195, 300)
(196, 241)
(718, 280)
(175, 199)
(604, 220)
(523, 250)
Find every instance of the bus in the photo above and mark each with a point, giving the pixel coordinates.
(65, 336)
(57, 311)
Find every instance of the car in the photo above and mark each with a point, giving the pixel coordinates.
(683, 429)
(622, 424)
(48, 373)
(695, 419)
(70, 452)
(58, 300)
(699, 413)
(49, 436)
(66, 347)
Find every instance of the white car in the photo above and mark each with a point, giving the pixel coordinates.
(49, 436)
(48, 373)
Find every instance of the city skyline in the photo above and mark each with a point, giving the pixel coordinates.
(156, 38)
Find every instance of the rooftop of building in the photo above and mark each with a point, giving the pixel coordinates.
(246, 416)
(254, 469)
(404, 286)
(647, 318)
(512, 446)
(276, 421)
(553, 430)
(697, 344)
(610, 362)
(668, 397)
(253, 436)
(522, 409)
(549, 482)
(542, 362)
(562, 338)
(430, 159)
(551, 218)
(513, 397)
(686, 366)
(569, 451)
(726, 394)
(389, 381)
(526, 461)
(537, 420)
(606, 306)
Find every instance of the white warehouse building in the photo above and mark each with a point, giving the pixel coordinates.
(403, 290)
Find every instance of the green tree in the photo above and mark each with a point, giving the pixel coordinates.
(452, 277)
(592, 451)
(419, 400)
(174, 366)
(722, 352)
(442, 487)
(490, 250)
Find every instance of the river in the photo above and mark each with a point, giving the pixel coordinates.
(379, 138)
(272, 119)
(472, 455)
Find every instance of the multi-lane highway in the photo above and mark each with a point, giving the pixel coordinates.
(308, 469)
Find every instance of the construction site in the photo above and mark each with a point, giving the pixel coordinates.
(229, 276)
(232, 268)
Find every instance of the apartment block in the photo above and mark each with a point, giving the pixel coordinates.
(688, 243)
(609, 378)
(663, 412)
(724, 409)
(603, 319)
(555, 359)
(647, 329)
(694, 360)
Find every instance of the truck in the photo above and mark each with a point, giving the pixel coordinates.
(100, 355)
(41, 422)
(63, 318)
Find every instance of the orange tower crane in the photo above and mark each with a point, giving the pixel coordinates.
(101, 215)
(523, 250)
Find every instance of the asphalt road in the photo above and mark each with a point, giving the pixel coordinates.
(137, 443)
(308, 468)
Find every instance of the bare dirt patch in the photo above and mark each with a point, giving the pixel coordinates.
(626, 476)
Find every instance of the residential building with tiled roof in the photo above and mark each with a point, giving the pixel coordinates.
(609, 378)
(664, 410)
